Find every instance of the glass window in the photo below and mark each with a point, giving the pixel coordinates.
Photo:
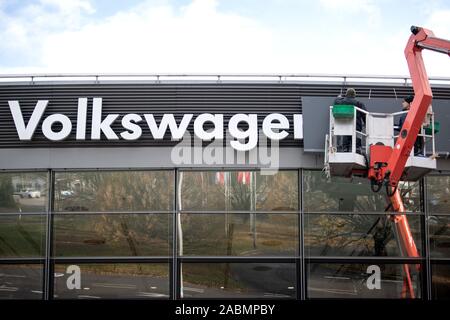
(351, 195)
(439, 229)
(238, 280)
(112, 234)
(251, 234)
(441, 281)
(114, 191)
(18, 281)
(23, 192)
(277, 192)
(239, 191)
(363, 281)
(22, 236)
(112, 281)
(356, 235)
(438, 188)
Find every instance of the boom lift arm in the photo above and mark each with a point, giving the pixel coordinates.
(387, 159)
(421, 38)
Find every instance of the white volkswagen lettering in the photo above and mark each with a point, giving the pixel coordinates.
(298, 126)
(99, 125)
(26, 132)
(50, 121)
(269, 125)
(81, 119)
(243, 128)
(216, 133)
(251, 133)
(129, 122)
(168, 120)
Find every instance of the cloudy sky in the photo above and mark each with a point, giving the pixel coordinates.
(217, 36)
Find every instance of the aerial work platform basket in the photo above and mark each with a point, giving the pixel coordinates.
(353, 130)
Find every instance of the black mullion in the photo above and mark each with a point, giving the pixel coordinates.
(174, 292)
(426, 241)
(367, 213)
(109, 169)
(93, 213)
(229, 169)
(105, 260)
(365, 260)
(9, 214)
(440, 260)
(236, 259)
(22, 261)
(237, 212)
(48, 269)
(301, 289)
(240, 299)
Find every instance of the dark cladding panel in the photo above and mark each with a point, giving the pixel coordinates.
(158, 99)
(316, 112)
(316, 115)
(441, 110)
(260, 98)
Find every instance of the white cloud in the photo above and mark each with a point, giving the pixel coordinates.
(368, 8)
(69, 6)
(61, 37)
(439, 23)
(23, 34)
(149, 38)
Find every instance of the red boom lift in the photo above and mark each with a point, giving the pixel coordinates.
(387, 163)
(390, 171)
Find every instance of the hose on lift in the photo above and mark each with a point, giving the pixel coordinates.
(375, 186)
(389, 191)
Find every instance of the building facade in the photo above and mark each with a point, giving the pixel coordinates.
(117, 216)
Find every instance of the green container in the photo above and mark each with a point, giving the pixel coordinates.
(345, 111)
(437, 128)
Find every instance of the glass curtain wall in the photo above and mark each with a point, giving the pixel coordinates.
(352, 240)
(23, 220)
(239, 234)
(438, 205)
(113, 229)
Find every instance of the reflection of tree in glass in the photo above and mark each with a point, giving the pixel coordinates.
(6, 193)
(131, 191)
(353, 234)
(240, 195)
(439, 194)
(115, 191)
(352, 195)
(204, 234)
(204, 191)
(23, 192)
(137, 234)
(277, 192)
(120, 191)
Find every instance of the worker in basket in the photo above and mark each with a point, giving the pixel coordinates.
(345, 145)
(406, 105)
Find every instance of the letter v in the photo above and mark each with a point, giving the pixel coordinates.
(27, 132)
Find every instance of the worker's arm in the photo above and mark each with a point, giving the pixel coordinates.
(360, 105)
